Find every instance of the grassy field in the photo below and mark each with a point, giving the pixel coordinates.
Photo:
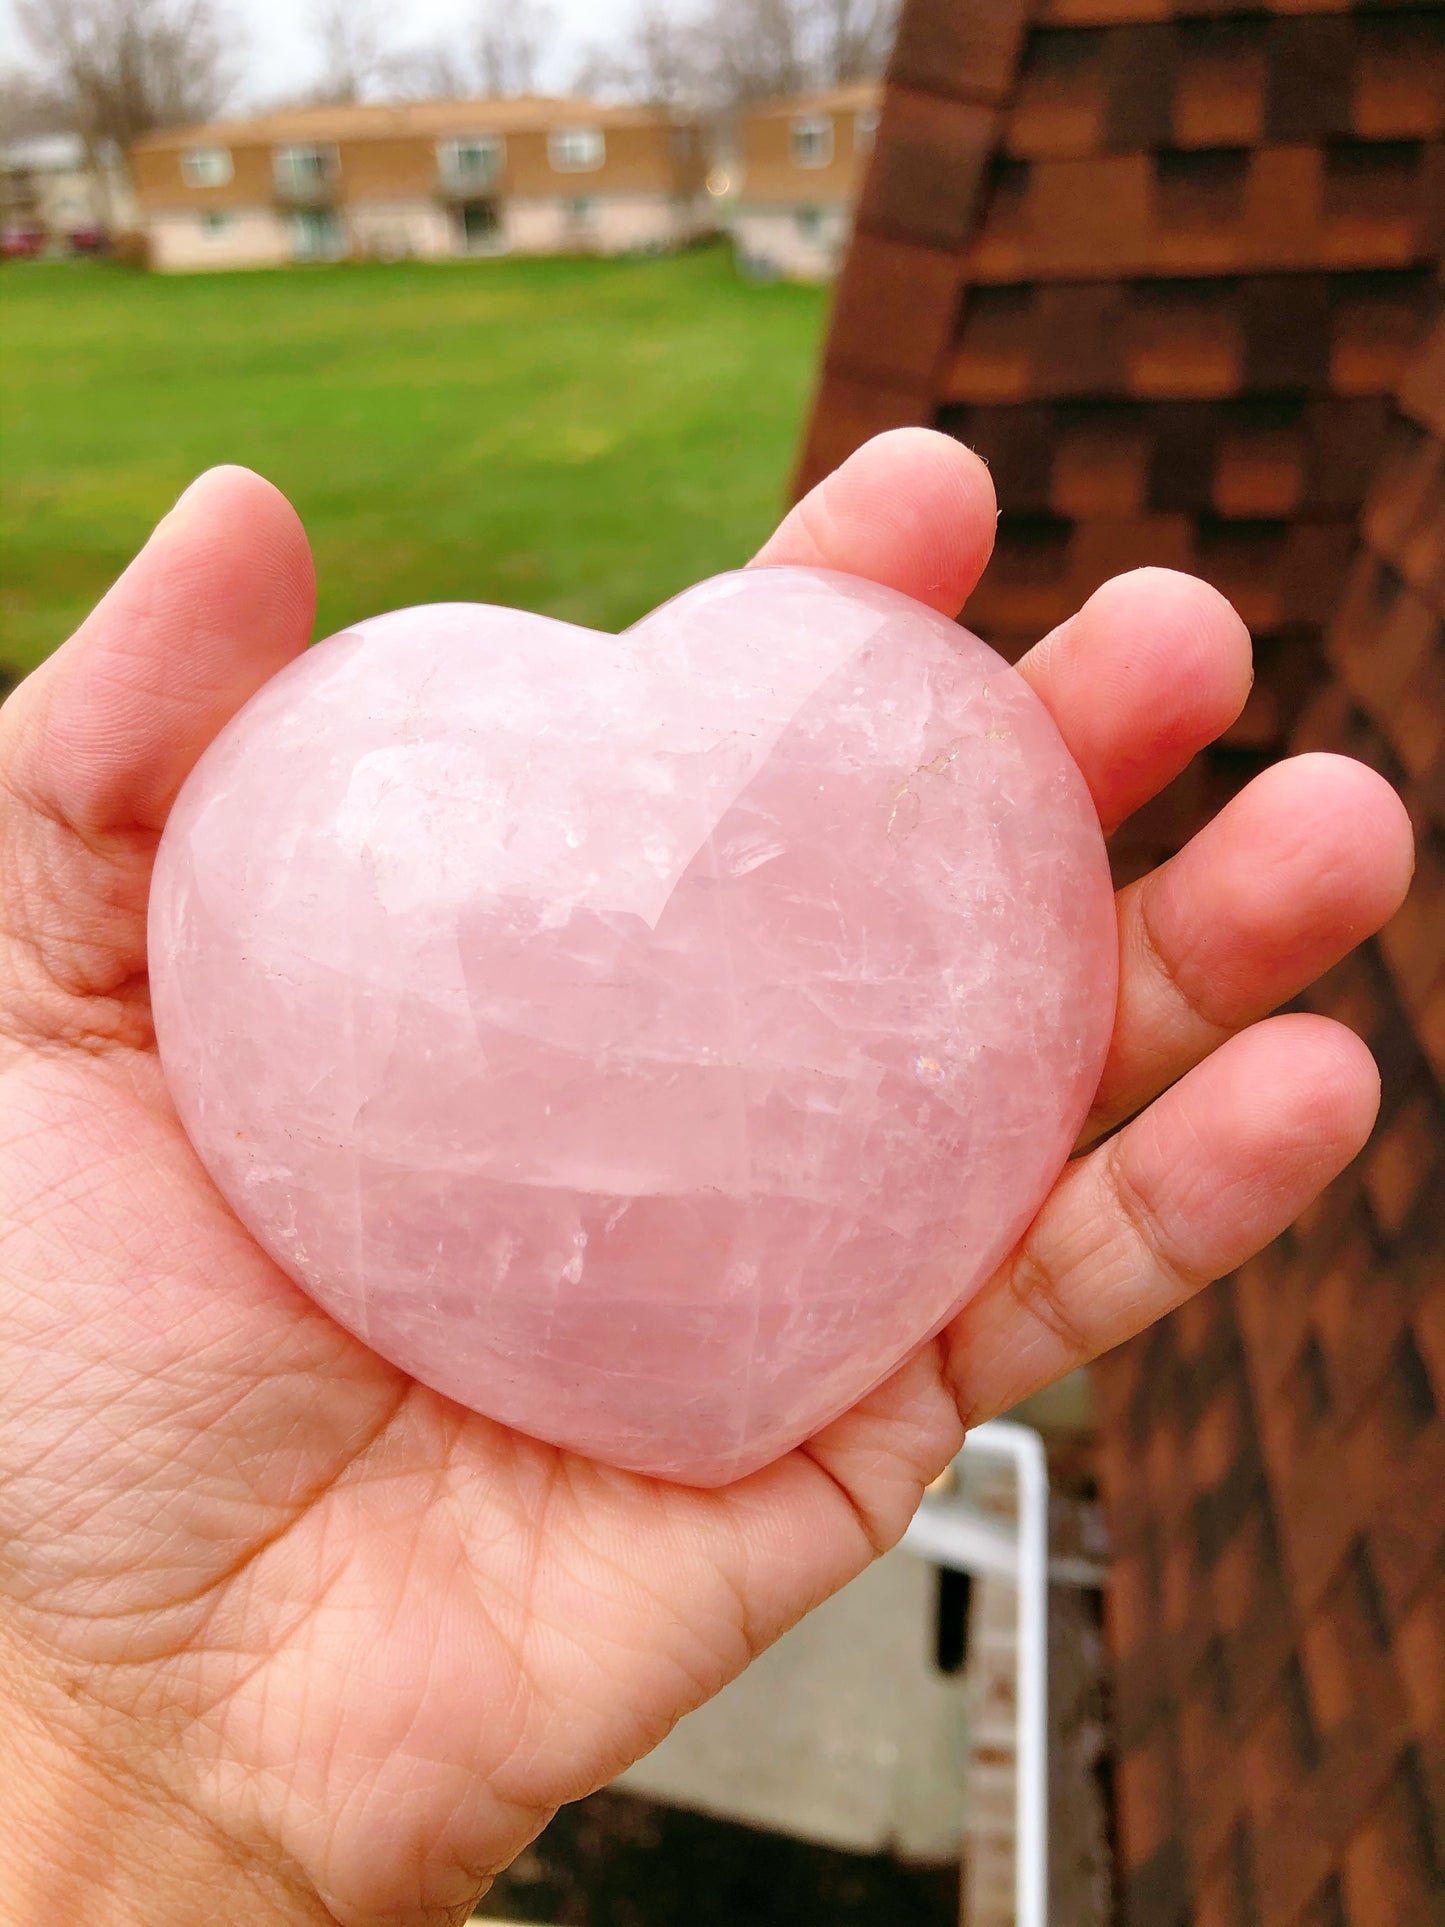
(579, 437)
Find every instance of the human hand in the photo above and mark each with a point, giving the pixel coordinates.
(287, 1637)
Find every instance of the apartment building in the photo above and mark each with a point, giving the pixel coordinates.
(800, 164)
(427, 179)
(53, 190)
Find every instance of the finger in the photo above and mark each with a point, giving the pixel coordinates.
(1151, 669)
(1308, 860)
(220, 597)
(1212, 1171)
(911, 509)
(94, 745)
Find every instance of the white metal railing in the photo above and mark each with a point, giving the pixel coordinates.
(948, 1531)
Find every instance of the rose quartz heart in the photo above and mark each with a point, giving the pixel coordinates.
(648, 1040)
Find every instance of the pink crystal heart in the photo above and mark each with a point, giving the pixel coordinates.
(647, 1040)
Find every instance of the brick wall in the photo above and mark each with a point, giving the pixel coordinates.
(1173, 271)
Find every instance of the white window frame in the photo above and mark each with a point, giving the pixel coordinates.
(806, 129)
(865, 129)
(450, 149)
(207, 167)
(283, 164)
(593, 144)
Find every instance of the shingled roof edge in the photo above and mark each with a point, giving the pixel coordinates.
(952, 71)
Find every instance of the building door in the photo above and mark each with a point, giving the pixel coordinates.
(481, 228)
(316, 234)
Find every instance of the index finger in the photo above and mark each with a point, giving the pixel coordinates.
(1153, 667)
(912, 509)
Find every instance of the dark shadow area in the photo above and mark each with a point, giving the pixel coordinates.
(617, 1861)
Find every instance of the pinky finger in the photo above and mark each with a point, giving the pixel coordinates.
(1208, 1175)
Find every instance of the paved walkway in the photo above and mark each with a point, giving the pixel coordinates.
(843, 1733)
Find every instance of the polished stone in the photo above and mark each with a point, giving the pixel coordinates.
(647, 1040)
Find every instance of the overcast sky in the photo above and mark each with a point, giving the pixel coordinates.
(279, 58)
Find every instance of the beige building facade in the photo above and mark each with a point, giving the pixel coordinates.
(428, 180)
(51, 185)
(799, 167)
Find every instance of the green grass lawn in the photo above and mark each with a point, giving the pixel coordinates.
(579, 437)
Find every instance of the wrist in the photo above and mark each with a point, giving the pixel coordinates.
(92, 1844)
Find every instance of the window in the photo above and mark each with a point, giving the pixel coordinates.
(472, 160)
(576, 150)
(810, 223)
(305, 169)
(207, 167)
(581, 209)
(865, 129)
(317, 235)
(214, 223)
(812, 141)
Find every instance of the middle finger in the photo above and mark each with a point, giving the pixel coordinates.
(1307, 861)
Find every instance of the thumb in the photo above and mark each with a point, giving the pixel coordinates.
(95, 744)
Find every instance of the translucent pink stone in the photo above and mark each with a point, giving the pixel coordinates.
(651, 1040)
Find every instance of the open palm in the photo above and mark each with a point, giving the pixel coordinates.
(285, 1636)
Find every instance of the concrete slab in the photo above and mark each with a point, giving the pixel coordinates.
(843, 1733)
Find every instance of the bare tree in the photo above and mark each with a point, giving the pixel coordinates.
(512, 39)
(856, 38)
(727, 52)
(427, 73)
(755, 48)
(660, 60)
(28, 107)
(123, 67)
(354, 54)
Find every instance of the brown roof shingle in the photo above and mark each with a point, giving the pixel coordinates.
(1173, 270)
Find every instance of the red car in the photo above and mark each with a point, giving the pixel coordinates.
(22, 243)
